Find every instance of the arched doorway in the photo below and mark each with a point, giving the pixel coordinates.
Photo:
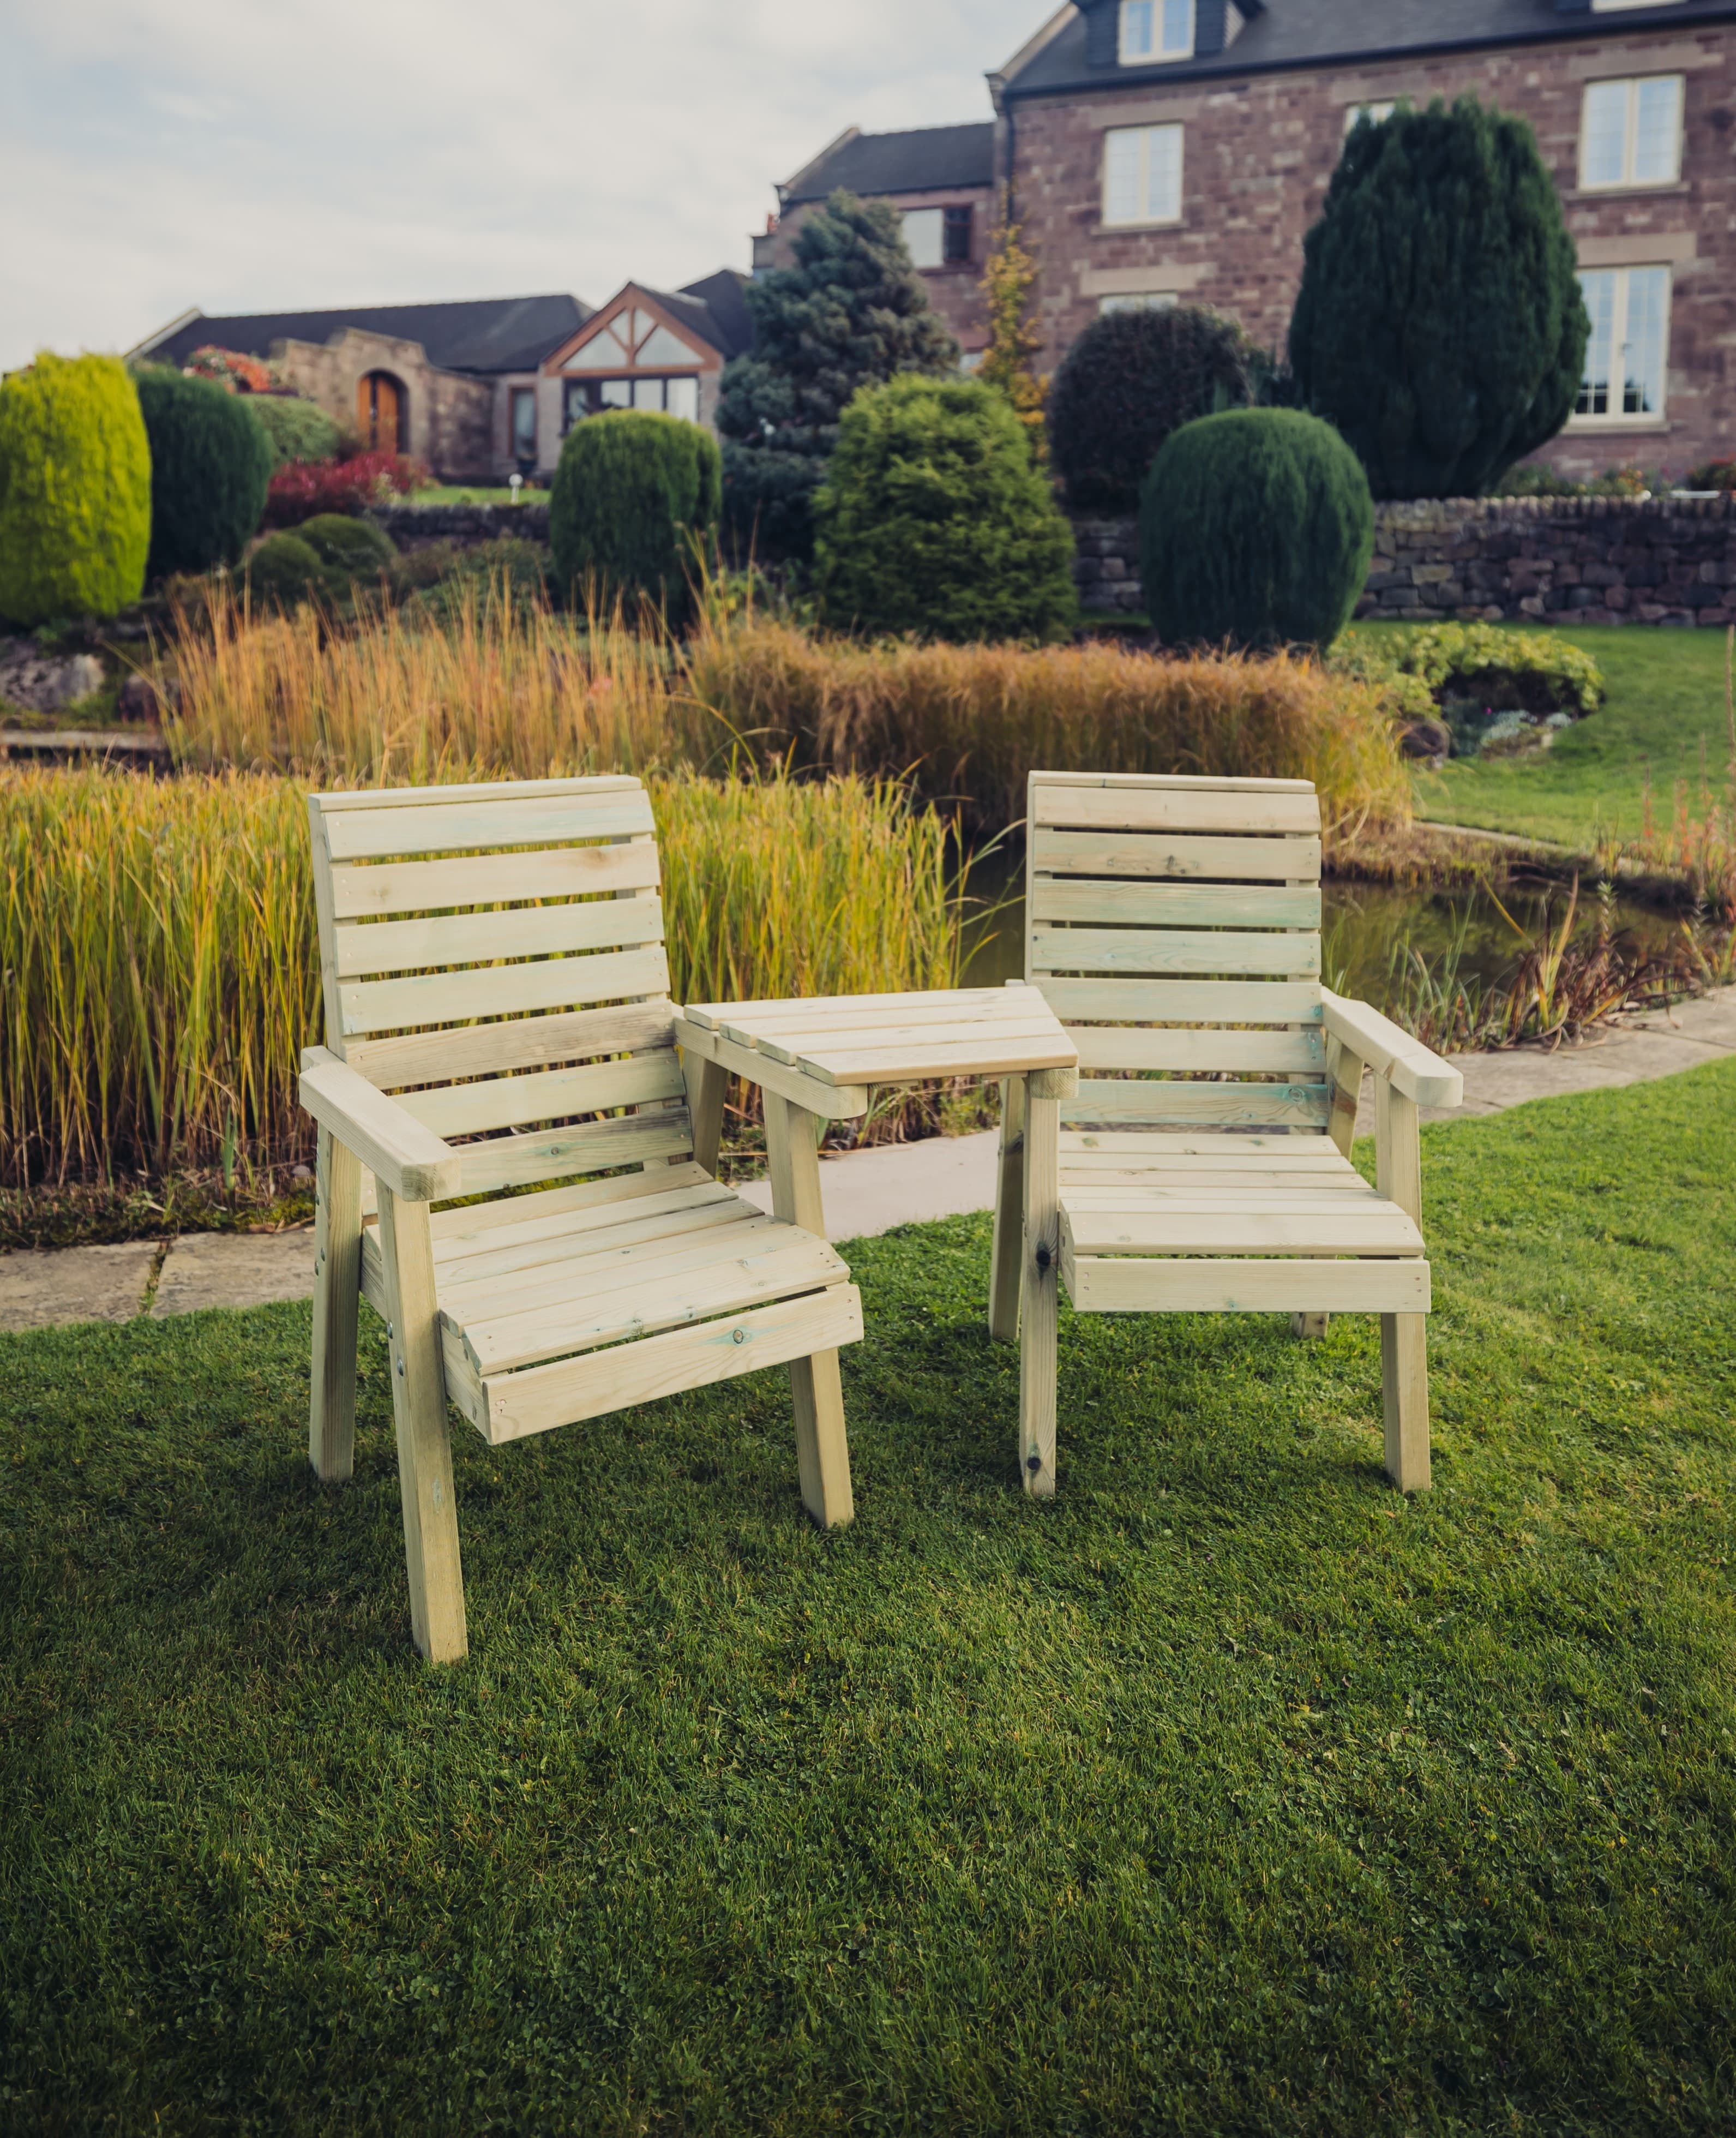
(382, 412)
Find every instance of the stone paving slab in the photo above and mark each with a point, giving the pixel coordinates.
(42, 1287)
(866, 1192)
(235, 1269)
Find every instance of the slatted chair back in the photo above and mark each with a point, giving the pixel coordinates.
(493, 956)
(1173, 924)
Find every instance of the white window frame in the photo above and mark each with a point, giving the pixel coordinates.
(937, 216)
(1153, 16)
(1145, 219)
(1378, 114)
(1620, 418)
(1629, 181)
(1139, 300)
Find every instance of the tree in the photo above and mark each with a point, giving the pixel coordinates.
(1440, 322)
(851, 312)
(633, 505)
(1131, 379)
(211, 467)
(1013, 340)
(934, 519)
(1255, 529)
(74, 490)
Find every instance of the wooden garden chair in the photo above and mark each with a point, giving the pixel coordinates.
(497, 1020)
(1173, 925)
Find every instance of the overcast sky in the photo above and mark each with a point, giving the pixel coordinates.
(242, 156)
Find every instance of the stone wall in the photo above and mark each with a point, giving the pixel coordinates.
(1563, 560)
(417, 526)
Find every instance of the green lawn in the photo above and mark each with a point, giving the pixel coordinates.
(1666, 698)
(469, 493)
(1228, 1794)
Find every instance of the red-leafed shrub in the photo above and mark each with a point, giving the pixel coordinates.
(302, 489)
(230, 367)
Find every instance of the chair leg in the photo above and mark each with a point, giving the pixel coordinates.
(816, 1387)
(1405, 1382)
(707, 1082)
(1007, 1270)
(424, 1438)
(331, 1437)
(1040, 1306)
(1309, 1327)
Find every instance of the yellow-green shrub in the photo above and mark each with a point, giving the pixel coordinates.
(74, 490)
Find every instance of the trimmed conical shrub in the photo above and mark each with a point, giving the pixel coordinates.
(211, 466)
(1440, 322)
(633, 507)
(74, 490)
(934, 519)
(1255, 529)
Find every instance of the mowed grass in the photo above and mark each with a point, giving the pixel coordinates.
(1229, 1793)
(1665, 716)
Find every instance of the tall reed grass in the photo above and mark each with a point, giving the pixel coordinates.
(160, 950)
(399, 696)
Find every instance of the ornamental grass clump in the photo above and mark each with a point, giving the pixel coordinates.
(161, 947)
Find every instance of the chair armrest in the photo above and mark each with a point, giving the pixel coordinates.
(400, 1152)
(1411, 1068)
(837, 1102)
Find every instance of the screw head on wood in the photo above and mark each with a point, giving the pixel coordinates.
(390, 1332)
(737, 1335)
(1033, 1462)
(401, 1370)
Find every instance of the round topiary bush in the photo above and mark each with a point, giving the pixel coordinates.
(285, 570)
(210, 464)
(74, 490)
(298, 430)
(934, 519)
(634, 507)
(356, 549)
(1255, 528)
(1130, 379)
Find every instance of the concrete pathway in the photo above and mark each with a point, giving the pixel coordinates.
(866, 1191)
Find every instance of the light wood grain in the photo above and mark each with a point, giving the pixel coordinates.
(519, 931)
(392, 1144)
(1183, 1001)
(571, 1265)
(552, 1095)
(1250, 1053)
(816, 1389)
(1040, 1298)
(1172, 1228)
(1229, 1105)
(523, 1043)
(342, 800)
(1134, 854)
(1224, 1285)
(778, 1012)
(707, 1084)
(1405, 1398)
(550, 1154)
(337, 1298)
(378, 889)
(424, 1440)
(574, 1390)
(839, 1102)
(473, 1227)
(1006, 1268)
(370, 1005)
(1139, 952)
(1410, 1067)
(446, 828)
(1177, 905)
(1203, 808)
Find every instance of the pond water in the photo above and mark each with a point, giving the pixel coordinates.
(1368, 927)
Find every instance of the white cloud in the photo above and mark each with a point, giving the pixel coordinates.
(243, 157)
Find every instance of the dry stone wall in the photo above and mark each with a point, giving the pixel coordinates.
(418, 526)
(1557, 560)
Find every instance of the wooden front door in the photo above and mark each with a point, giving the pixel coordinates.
(379, 413)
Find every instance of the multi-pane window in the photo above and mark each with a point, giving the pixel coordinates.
(957, 247)
(524, 423)
(1627, 358)
(1156, 30)
(1142, 174)
(673, 396)
(1631, 132)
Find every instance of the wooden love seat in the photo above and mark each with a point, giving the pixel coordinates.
(541, 1239)
(1173, 925)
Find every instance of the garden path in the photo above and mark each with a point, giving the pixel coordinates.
(866, 1191)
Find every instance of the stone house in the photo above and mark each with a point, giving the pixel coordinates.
(481, 389)
(1175, 151)
(940, 179)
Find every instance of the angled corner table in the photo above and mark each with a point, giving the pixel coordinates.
(821, 1060)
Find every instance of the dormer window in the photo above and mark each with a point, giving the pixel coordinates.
(1154, 30)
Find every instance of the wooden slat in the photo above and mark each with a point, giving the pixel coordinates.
(1176, 905)
(994, 1054)
(1196, 1194)
(1215, 809)
(1137, 950)
(1227, 1164)
(628, 1273)
(836, 1102)
(575, 1389)
(556, 1095)
(1216, 1143)
(1274, 859)
(776, 1262)
(521, 931)
(378, 889)
(1171, 1229)
(1302, 1105)
(446, 828)
(1185, 1002)
(459, 1230)
(371, 1006)
(1121, 1047)
(338, 800)
(550, 1248)
(1036, 1023)
(1162, 1285)
(528, 1042)
(777, 1012)
(394, 1147)
(522, 1161)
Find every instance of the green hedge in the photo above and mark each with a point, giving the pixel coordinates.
(298, 430)
(353, 549)
(634, 507)
(211, 466)
(934, 519)
(74, 490)
(1256, 528)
